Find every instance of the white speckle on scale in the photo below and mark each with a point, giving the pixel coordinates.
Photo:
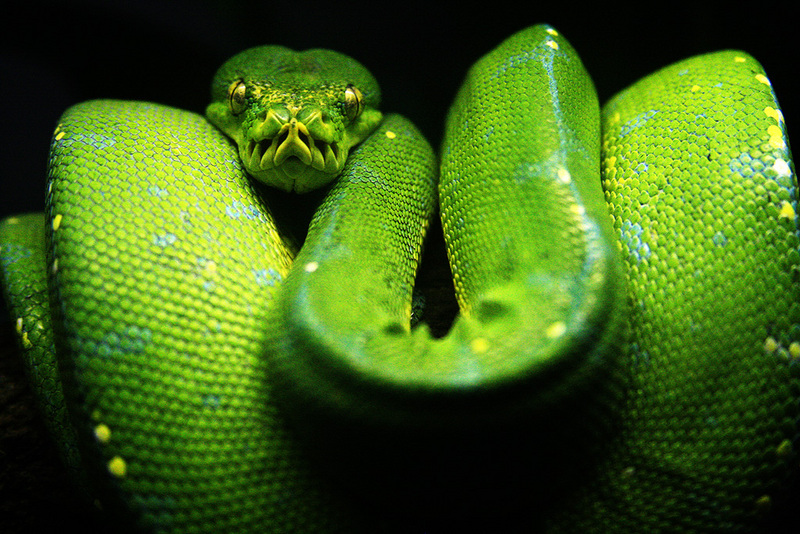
(781, 167)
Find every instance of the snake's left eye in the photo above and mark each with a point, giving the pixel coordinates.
(353, 102)
(236, 97)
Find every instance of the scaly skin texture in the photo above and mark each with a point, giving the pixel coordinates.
(699, 180)
(629, 373)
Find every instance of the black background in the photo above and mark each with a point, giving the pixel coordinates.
(53, 54)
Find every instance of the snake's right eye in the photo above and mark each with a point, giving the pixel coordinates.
(236, 97)
(353, 102)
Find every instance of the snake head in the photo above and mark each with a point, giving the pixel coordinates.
(294, 115)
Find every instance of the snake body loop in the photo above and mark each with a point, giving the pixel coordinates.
(606, 374)
(537, 277)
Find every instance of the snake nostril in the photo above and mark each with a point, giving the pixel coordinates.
(281, 137)
(306, 139)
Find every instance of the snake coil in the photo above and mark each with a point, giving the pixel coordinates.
(636, 372)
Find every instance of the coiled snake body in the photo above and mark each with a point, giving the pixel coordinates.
(631, 373)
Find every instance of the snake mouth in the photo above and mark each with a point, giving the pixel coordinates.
(293, 145)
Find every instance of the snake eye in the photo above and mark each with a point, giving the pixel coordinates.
(236, 97)
(353, 102)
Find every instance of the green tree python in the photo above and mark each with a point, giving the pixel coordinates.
(626, 354)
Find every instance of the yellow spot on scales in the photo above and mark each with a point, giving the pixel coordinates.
(776, 137)
(774, 113)
(552, 44)
(556, 329)
(552, 32)
(784, 450)
(479, 345)
(210, 268)
(117, 467)
(564, 176)
(763, 504)
(763, 79)
(794, 349)
(770, 345)
(311, 266)
(739, 59)
(26, 343)
(577, 209)
(57, 221)
(695, 88)
(102, 433)
(390, 134)
(787, 211)
(19, 325)
(628, 472)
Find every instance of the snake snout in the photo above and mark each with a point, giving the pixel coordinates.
(292, 144)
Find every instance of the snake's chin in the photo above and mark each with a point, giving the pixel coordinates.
(293, 176)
